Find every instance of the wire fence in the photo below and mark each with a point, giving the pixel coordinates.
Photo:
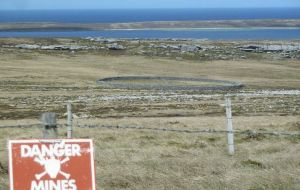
(124, 127)
(289, 106)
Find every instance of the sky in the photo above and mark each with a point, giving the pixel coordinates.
(142, 4)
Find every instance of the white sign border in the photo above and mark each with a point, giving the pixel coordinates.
(11, 142)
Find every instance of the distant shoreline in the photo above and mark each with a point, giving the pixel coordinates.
(224, 28)
(156, 25)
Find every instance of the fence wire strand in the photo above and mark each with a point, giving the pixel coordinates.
(247, 132)
(244, 132)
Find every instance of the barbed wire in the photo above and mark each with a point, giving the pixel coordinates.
(248, 132)
(28, 126)
(245, 132)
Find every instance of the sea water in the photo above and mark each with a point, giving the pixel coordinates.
(138, 15)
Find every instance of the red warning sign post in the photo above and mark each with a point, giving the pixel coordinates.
(66, 164)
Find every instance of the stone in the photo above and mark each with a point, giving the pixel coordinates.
(269, 48)
(189, 48)
(27, 46)
(174, 47)
(116, 46)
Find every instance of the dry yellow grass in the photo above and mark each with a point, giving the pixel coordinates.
(84, 69)
(142, 159)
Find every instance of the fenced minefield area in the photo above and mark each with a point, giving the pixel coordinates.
(157, 139)
(179, 141)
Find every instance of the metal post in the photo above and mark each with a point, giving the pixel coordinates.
(70, 121)
(50, 128)
(230, 141)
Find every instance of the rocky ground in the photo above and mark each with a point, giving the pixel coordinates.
(279, 59)
(179, 49)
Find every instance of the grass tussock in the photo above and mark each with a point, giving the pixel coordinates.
(134, 159)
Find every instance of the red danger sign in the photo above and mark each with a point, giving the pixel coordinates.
(51, 164)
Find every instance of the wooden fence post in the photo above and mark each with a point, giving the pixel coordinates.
(70, 121)
(49, 121)
(230, 141)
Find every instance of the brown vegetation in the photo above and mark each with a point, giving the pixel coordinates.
(33, 82)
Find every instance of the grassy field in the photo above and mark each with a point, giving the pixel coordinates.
(33, 82)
